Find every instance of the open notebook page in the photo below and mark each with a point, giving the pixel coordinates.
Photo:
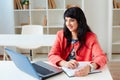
(70, 72)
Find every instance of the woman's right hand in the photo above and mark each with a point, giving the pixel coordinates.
(72, 64)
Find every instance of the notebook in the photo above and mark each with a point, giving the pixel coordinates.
(70, 72)
(40, 70)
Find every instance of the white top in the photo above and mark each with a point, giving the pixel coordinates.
(104, 75)
(28, 41)
(8, 71)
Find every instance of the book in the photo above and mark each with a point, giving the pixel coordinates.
(45, 21)
(70, 72)
(118, 4)
(51, 4)
(114, 4)
(15, 5)
(18, 4)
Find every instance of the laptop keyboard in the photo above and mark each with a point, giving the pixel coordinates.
(41, 70)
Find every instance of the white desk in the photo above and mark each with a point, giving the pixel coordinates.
(104, 75)
(8, 71)
(28, 41)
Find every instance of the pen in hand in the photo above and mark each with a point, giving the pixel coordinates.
(72, 64)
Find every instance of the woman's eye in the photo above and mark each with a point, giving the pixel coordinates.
(72, 20)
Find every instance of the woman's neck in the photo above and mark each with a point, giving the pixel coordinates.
(74, 35)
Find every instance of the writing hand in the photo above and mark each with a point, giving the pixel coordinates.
(83, 72)
(72, 64)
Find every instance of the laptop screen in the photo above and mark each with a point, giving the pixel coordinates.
(22, 63)
(38, 69)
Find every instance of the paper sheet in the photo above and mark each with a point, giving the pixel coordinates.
(70, 72)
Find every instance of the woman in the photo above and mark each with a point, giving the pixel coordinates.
(76, 42)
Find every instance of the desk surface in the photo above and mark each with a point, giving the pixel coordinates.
(26, 40)
(8, 71)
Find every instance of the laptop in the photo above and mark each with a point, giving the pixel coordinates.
(40, 70)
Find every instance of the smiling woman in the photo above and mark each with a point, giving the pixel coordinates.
(76, 43)
(71, 24)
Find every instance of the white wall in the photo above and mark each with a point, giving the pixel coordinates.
(97, 16)
(6, 17)
(96, 12)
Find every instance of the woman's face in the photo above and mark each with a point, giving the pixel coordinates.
(71, 24)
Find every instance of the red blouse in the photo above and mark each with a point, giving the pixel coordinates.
(90, 52)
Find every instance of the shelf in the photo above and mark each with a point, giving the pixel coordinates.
(116, 19)
(40, 13)
(38, 4)
(74, 3)
(18, 26)
(54, 19)
(21, 17)
(56, 9)
(114, 22)
(38, 10)
(60, 4)
(21, 10)
(116, 26)
(37, 17)
(116, 43)
(55, 26)
(116, 9)
(116, 56)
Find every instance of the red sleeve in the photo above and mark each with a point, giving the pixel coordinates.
(98, 55)
(55, 53)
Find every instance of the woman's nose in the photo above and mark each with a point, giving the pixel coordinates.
(67, 23)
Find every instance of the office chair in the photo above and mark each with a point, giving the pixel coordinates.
(5, 57)
(31, 30)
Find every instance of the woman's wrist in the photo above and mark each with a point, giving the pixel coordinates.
(93, 66)
(62, 63)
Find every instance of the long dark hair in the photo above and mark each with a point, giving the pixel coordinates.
(83, 28)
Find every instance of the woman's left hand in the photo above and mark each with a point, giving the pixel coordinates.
(83, 72)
